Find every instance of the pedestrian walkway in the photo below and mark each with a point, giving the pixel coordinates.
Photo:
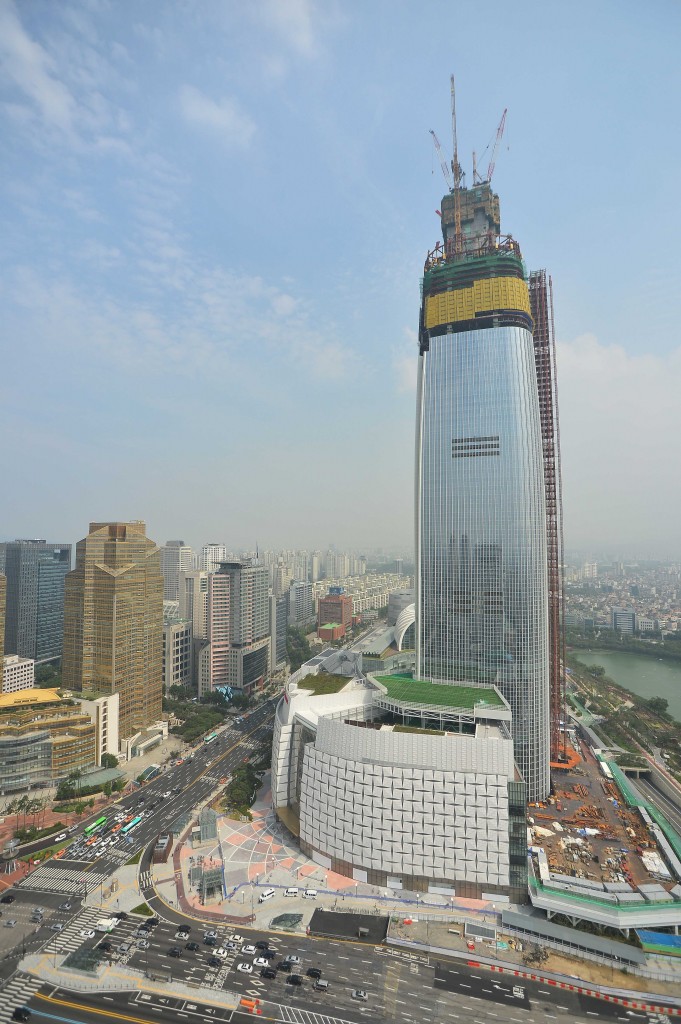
(292, 1015)
(68, 939)
(17, 992)
(63, 880)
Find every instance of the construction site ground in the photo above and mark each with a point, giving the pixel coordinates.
(436, 935)
(584, 798)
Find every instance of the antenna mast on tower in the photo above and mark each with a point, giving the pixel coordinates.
(457, 174)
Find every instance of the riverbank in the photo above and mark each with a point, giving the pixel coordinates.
(640, 675)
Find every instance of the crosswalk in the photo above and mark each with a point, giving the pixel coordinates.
(63, 880)
(146, 880)
(292, 1015)
(17, 992)
(66, 941)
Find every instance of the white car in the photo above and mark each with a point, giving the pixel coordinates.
(221, 952)
(236, 938)
(292, 959)
(245, 968)
(211, 935)
(86, 933)
(261, 961)
(248, 950)
(143, 944)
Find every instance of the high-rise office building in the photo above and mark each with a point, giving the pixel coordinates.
(237, 651)
(210, 557)
(176, 558)
(481, 531)
(34, 617)
(3, 598)
(300, 603)
(113, 621)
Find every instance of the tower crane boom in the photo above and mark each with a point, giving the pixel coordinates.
(500, 132)
(443, 162)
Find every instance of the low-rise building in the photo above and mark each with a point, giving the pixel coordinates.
(43, 738)
(404, 783)
(18, 673)
(103, 711)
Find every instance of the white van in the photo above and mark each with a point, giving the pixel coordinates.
(291, 892)
(266, 895)
(310, 894)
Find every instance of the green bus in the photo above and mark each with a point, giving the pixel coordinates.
(94, 826)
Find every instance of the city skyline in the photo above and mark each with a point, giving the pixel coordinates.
(153, 269)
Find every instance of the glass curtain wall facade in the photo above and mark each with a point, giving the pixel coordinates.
(482, 599)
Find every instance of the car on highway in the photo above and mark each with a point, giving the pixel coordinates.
(193, 947)
(292, 959)
(174, 951)
(56, 927)
(10, 924)
(360, 994)
(105, 946)
(86, 933)
(294, 979)
(261, 961)
(181, 933)
(222, 952)
(313, 972)
(248, 950)
(236, 938)
(284, 966)
(65, 906)
(245, 968)
(211, 940)
(9, 897)
(143, 943)
(262, 944)
(153, 921)
(22, 1013)
(232, 946)
(268, 972)
(210, 935)
(269, 954)
(214, 961)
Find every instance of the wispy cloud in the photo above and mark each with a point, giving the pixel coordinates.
(224, 116)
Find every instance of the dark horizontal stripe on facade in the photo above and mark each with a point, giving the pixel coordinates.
(482, 321)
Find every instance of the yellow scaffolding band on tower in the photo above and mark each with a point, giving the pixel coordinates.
(482, 297)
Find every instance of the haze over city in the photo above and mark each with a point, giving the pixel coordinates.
(215, 218)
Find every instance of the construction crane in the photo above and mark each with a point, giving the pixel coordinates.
(457, 174)
(443, 162)
(500, 132)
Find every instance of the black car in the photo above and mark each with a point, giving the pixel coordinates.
(295, 979)
(269, 954)
(284, 966)
(174, 951)
(268, 972)
(262, 944)
(9, 898)
(105, 946)
(210, 941)
(153, 921)
(214, 961)
(313, 972)
(121, 915)
(184, 928)
(22, 1013)
(193, 946)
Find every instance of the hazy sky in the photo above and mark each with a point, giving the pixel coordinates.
(214, 221)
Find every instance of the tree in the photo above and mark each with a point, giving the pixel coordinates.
(117, 785)
(107, 789)
(297, 648)
(597, 670)
(658, 704)
(79, 808)
(109, 761)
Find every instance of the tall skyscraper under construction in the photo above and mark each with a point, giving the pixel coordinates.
(483, 536)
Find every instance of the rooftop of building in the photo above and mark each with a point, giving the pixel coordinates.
(408, 690)
(26, 698)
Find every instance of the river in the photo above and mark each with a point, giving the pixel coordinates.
(643, 675)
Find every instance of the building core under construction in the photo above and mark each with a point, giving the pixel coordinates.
(488, 525)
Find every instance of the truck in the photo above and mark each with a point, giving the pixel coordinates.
(106, 924)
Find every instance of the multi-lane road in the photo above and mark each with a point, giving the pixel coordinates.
(399, 987)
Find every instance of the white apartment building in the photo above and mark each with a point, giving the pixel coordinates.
(211, 555)
(18, 673)
(176, 558)
(103, 712)
(372, 590)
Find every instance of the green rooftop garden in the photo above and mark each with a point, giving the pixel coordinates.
(323, 682)
(418, 691)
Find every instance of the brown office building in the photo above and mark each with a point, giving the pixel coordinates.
(3, 600)
(113, 621)
(335, 608)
